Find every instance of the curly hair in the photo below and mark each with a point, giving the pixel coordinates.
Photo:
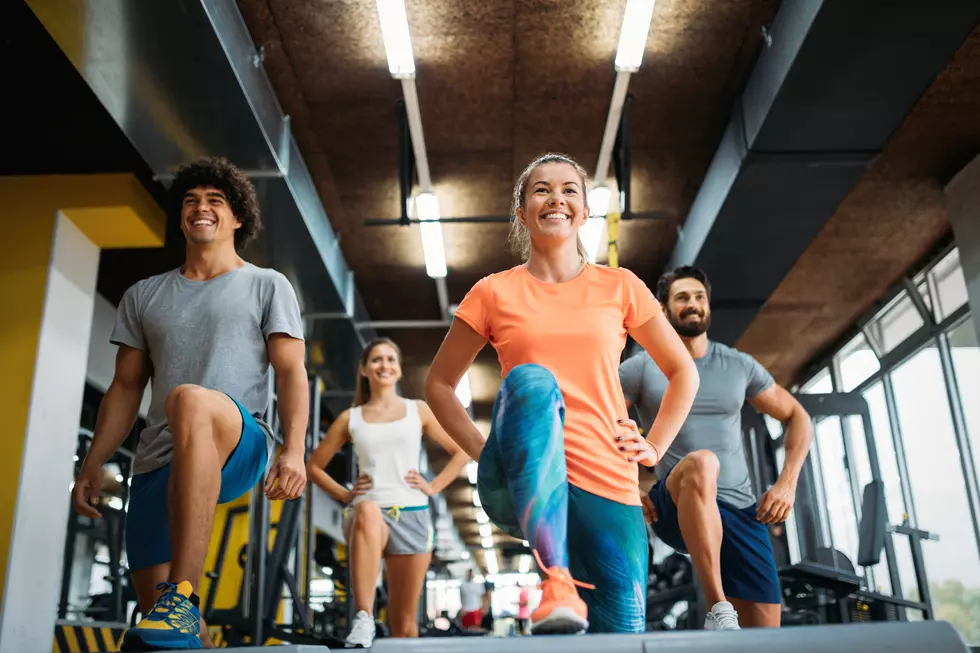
(220, 173)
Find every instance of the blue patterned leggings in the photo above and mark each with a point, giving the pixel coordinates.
(524, 489)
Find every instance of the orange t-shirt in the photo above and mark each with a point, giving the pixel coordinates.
(577, 331)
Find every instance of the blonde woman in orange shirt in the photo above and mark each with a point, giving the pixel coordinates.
(559, 468)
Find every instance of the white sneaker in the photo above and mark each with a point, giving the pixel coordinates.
(722, 617)
(361, 631)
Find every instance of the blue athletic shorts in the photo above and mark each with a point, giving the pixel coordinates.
(147, 529)
(748, 570)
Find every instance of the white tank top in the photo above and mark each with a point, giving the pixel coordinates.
(387, 451)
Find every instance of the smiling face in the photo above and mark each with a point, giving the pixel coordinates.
(382, 367)
(206, 217)
(687, 307)
(554, 206)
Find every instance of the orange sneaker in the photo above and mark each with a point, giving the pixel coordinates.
(561, 610)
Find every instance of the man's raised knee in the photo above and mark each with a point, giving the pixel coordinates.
(186, 398)
(704, 464)
(697, 472)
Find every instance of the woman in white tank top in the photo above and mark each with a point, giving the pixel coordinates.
(388, 513)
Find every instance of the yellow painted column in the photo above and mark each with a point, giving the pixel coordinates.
(56, 226)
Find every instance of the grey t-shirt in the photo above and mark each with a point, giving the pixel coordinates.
(728, 378)
(209, 333)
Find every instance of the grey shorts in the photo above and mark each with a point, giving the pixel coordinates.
(409, 529)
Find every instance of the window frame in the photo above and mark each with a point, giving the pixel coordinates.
(931, 333)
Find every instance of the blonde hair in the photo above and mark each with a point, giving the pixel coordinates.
(362, 393)
(519, 237)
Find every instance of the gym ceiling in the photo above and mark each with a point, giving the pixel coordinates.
(499, 82)
(826, 138)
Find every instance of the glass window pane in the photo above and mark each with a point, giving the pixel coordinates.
(857, 362)
(936, 479)
(792, 534)
(887, 458)
(966, 363)
(861, 468)
(950, 285)
(837, 486)
(897, 322)
(819, 384)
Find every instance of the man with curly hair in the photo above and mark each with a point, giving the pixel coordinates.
(206, 334)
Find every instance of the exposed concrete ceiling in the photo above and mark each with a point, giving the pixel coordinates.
(503, 81)
(891, 219)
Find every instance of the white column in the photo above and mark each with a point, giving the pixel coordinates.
(33, 584)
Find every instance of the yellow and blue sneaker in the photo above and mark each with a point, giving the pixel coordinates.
(173, 623)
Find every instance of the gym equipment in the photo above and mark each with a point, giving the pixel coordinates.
(258, 613)
(670, 583)
(805, 582)
(905, 637)
(110, 607)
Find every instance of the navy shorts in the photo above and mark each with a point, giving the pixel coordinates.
(748, 570)
(147, 529)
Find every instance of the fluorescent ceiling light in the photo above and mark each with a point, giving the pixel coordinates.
(427, 206)
(463, 391)
(486, 530)
(633, 36)
(488, 543)
(491, 559)
(472, 468)
(398, 42)
(524, 564)
(592, 234)
(476, 499)
(427, 210)
(482, 517)
(599, 201)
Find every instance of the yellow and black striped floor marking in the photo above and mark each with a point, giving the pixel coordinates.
(86, 639)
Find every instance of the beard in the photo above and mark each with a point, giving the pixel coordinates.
(689, 329)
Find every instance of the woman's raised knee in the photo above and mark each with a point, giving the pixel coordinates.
(529, 381)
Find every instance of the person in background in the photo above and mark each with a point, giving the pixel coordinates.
(703, 502)
(524, 611)
(471, 596)
(388, 514)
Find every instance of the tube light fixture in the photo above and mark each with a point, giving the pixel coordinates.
(591, 234)
(487, 542)
(482, 517)
(633, 36)
(486, 530)
(398, 42)
(599, 201)
(524, 564)
(427, 210)
(491, 559)
(471, 470)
